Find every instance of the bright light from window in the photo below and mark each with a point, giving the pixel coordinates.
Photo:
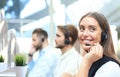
(32, 7)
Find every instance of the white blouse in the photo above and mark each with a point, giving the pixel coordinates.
(109, 69)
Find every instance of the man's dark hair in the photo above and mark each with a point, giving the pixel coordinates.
(40, 32)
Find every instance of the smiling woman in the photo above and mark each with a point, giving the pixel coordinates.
(89, 32)
(97, 45)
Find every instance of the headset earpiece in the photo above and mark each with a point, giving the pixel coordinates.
(67, 41)
(103, 36)
(42, 39)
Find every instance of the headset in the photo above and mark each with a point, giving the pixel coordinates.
(42, 39)
(103, 36)
(67, 41)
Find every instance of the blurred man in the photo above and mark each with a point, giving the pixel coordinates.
(44, 65)
(69, 61)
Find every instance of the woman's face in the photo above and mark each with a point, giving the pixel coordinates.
(89, 32)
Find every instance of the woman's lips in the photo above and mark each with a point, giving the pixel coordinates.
(88, 41)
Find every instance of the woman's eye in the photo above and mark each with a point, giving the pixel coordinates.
(82, 29)
(92, 29)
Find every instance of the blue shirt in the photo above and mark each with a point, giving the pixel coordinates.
(45, 63)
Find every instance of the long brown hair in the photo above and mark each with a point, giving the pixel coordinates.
(107, 43)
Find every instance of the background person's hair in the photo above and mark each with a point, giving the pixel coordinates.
(69, 30)
(107, 43)
(41, 33)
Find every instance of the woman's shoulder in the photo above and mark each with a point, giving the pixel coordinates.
(110, 64)
(109, 69)
(104, 66)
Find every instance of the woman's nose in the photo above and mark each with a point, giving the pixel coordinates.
(86, 33)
